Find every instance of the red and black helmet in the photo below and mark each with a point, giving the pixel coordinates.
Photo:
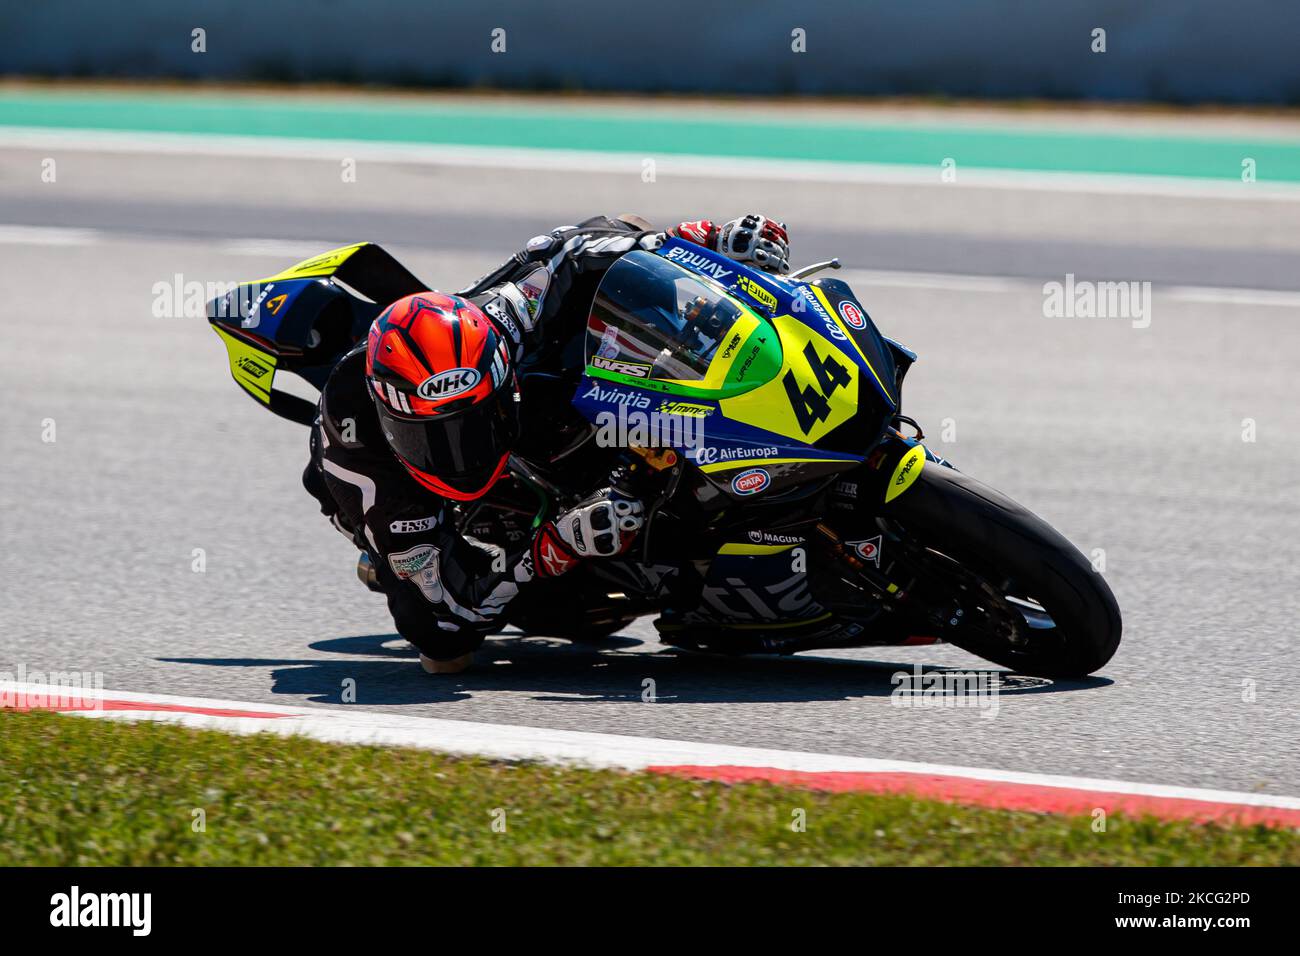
(441, 377)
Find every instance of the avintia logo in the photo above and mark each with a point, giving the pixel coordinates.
(448, 383)
(617, 396)
(699, 263)
(750, 482)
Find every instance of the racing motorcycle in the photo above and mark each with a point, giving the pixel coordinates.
(790, 504)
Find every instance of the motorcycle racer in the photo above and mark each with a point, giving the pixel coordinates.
(426, 412)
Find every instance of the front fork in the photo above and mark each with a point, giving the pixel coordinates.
(869, 555)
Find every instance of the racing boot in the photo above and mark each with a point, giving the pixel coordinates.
(453, 666)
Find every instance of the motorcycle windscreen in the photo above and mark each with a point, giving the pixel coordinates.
(657, 325)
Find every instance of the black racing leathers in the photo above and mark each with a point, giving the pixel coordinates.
(555, 277)
(445, 590)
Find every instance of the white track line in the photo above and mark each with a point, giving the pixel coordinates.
(1001, 285)
(509, 742)
(631, 164)
(48, 236)
(941, 281)
(287, 248)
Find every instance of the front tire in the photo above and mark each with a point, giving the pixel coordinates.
(1029, 600)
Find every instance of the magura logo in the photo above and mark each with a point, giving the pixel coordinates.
(750, 482)
(851, 314)
(446, 384)
(770, 537)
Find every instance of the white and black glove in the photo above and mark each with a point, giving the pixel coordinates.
(757, 239)
(601, 526)
(752, 238)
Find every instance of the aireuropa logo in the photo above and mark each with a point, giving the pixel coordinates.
(74, 908)
(1098, 300)
(51, 690)
(946, 689)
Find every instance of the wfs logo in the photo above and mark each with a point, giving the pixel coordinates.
(448, 383)
(103, 909)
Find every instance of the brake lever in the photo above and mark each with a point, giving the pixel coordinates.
(814, 268)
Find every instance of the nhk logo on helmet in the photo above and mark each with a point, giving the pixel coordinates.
(750, 482)
(448, 383)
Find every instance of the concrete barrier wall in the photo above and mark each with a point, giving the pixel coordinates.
(1239, 51)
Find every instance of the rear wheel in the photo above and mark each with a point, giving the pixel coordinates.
(994, 579)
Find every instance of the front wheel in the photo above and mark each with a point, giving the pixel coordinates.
(994, 579)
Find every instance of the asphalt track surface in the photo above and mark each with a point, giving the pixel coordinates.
(1126, 439)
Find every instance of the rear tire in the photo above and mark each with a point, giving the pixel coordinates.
(1013, 552)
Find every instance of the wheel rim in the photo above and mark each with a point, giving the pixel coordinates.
(999, 621)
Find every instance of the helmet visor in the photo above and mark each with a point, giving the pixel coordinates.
(462, 449)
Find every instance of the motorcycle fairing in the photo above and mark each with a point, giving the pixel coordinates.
(800, 383)
(723, 449)
(874, 351)
(755, 586)
(319, 266)
(797, 387)
(304, 319)
(821, 304)
(811, 365)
